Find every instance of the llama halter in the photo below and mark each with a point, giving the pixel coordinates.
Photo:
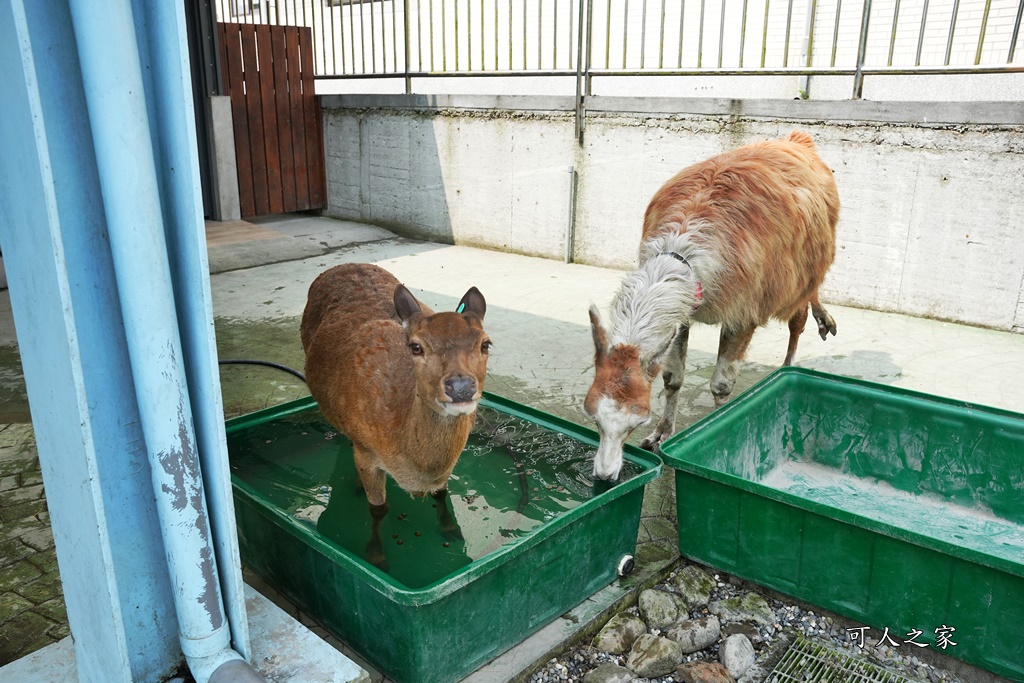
(698, 291)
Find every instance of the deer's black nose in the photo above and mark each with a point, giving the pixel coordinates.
(460, 388)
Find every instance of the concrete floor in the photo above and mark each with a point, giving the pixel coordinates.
(542, 356)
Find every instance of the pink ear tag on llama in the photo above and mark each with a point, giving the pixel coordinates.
(699, 294)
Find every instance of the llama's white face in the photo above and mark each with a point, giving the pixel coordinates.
(615, 423)
(619, 400)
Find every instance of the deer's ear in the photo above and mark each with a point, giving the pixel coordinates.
(472, 302)
(600, 336)
(405, 303)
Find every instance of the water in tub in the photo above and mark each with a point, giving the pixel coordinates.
(973, 527)
(513, 476)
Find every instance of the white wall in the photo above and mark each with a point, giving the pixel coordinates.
(931, 223)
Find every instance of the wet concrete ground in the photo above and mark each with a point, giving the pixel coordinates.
(537, 318)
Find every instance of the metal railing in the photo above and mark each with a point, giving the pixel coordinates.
(587, 38)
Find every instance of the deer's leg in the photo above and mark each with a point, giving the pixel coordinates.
(672, 376)
(374, 547)
(445, 519)
(372, 476)
(732, 346)
(826, 323)
(796, 328)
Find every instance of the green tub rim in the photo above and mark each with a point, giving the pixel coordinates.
(650, 463)
(771, 383)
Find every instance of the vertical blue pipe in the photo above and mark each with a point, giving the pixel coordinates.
(161, 28)
(119, 121)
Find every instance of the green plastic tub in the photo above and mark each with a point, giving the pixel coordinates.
(538, 538)
(898, 509)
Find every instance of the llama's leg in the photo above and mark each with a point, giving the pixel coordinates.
(672, 375)
(445, 519)
(796, 328)
(732, 346)
(826, 323)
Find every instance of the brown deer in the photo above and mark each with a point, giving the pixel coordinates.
(735, 240)
(401, 381)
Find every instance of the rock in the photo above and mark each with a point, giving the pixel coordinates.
(609, 673)
(703, 672)
(658, 608)
(654, 656)
(747, 628)
(749, 607)
(694, 585)
(695, 635)
(618, 635)
(736, 654)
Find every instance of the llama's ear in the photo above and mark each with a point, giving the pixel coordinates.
(472, 302)
(405, 304)
(600, 337)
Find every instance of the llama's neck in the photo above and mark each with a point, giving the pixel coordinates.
(655, 299)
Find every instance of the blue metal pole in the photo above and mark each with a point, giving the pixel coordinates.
(168, 79)
(118, 116)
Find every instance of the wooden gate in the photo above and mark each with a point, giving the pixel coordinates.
(268, 72)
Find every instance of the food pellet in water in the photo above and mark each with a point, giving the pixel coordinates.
(446, 544)
(400, 541)
(394, 535)
(417, 533)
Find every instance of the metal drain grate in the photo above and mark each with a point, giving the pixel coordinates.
(807, 662)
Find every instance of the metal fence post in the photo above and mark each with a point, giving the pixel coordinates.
(862, 48)
(408, 78)
(580, 110)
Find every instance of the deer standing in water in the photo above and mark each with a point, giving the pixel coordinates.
(735, 240)
(401, 381)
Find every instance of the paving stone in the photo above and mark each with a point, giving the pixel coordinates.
(31, 477)
(12, 604)
(18, 574)
(45, 561)
(703, 672)
(9, 482)
(694, 585)
(12, 550)
(22, 510)
(54, 610)
(23, 494)
(16, 463)
(23, 634)
(20, 527)
(42, 589)
(39, 540)
(660, 529)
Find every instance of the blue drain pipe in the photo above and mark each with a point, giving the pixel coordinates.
(116, 96)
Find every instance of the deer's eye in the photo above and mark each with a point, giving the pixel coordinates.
(486, 346)
(416, 348)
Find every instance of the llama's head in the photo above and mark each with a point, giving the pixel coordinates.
(619, 400)
(449, 351)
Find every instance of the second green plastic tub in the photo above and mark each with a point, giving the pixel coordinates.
(902, 510)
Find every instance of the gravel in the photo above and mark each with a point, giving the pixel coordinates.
(769, 640)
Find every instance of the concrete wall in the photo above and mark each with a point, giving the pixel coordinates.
(933, 195)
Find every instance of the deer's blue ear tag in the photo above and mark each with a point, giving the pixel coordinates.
(461, 308)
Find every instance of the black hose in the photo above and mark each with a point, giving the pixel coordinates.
(269, 364)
